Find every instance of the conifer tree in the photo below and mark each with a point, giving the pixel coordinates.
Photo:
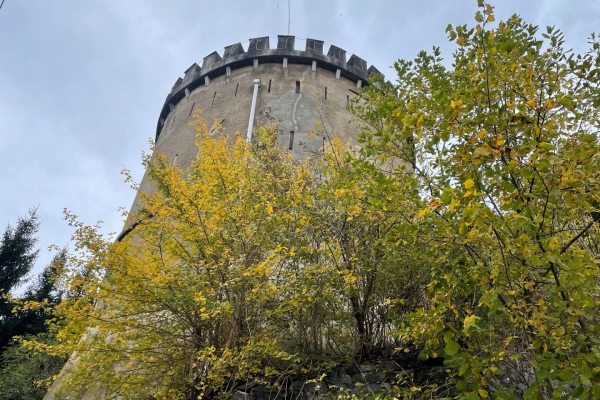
(17, 256)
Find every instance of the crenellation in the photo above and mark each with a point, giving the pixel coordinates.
(211, 59)
(176, 85)
(286, 42)
(259, 53)
(314, 46)
(357, 62)
(233, 50)
(337, 52)
(194, 69)
(372, 70)
(258, 45)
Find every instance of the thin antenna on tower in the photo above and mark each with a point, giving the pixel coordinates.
(289, 17)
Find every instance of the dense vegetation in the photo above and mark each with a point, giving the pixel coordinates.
(25, 374)
(466, 229)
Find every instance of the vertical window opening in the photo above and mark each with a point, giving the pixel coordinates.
(191, 110)
(347, 98)
(325, 92)
(214, 95)
(291, 144)
(236, 89)
(269, 89)
(297, 86)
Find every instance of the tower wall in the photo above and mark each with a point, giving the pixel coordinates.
(298, 89)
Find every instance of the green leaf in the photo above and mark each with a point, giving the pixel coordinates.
(576, 394)
(472, 396)
(527, 173)
(547, 146)
(446, 196)
(452, 347)
(565, 101)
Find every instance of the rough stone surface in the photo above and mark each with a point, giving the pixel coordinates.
(234, 57)
(228, 99)
(366, 378)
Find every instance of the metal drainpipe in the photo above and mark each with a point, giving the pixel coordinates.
(253, 109)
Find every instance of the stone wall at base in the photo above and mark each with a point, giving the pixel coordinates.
(366, 378)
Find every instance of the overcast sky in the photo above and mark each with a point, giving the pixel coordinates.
(82, 82)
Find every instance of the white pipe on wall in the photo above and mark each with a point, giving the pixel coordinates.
(253, 110)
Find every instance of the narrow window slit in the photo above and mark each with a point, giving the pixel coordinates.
(325, 92)
(191, 109)
(214, 95)
(269, 89)
(354, 91)
(347, 98)
(291, 145)
(236, 89)
(297, 86)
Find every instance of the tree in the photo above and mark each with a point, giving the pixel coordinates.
(246, 266)
(504, 149)
(26, 374)
(17, 256)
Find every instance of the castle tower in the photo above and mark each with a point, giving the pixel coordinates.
(287, 84)
(297, 88)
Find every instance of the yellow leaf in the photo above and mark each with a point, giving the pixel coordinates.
(531, 103)
(471, 319)
(482, 392)
(469, 183)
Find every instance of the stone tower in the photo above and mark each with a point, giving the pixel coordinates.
(286, 83)
(297, 88)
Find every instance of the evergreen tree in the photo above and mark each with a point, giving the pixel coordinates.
(17, 256)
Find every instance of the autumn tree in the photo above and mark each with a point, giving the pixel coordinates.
(197, 297)
(503, 146)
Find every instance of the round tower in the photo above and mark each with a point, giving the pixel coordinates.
(287, 83)
(297, 88)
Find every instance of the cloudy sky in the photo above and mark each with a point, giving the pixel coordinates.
(82, 82)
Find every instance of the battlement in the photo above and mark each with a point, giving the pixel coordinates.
(259, 51)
